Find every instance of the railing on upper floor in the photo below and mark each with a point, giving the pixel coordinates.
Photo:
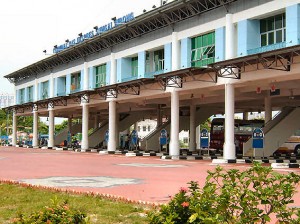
(267, 48)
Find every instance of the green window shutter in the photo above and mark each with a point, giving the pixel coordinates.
(203, 50)
(100, 76)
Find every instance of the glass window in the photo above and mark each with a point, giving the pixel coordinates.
(148, 127)
(279, 36)
(148, 67)
(159, 60)
(22, 95)
(30, 93)
(45, 86)
(203, 50)
(144, 128)
(100, 79)
(270, 38)
(272, 30)
(134, 67)
(75, 81)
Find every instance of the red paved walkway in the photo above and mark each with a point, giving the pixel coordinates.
(156, 184)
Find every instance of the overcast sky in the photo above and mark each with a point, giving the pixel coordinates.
(30, 26)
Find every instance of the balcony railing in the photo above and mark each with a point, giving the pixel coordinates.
(267, 48)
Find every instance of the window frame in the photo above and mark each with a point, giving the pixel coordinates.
(267, 33)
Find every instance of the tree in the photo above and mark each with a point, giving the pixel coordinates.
(206, 125)
(234, 196)
(5, 121)
(62, 126)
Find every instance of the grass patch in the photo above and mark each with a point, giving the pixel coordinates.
(16, 199)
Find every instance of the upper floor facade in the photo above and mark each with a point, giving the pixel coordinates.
(258, 26)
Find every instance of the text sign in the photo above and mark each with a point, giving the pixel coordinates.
(204, 138)
(258, 138)
(98, 30)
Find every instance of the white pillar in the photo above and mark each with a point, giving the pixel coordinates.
(86, 76)
(14, 131)
(268, 108)
(35, 139)
(112, 126)
(51, 82)
(85, 126)
(51, 128)
(113, 70)
(174, 138)
(175, 52)
(192, 142)
(117, 129)
(229, 146)
(198, 137)
(70, 124)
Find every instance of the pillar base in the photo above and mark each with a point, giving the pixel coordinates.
(229, 151)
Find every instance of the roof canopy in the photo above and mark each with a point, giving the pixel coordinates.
(161, 17)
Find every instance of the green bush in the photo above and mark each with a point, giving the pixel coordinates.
(57, 213)
(251, 196)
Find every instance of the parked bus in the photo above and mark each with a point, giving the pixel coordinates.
(242, 132)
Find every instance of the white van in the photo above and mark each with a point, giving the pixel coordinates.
(291, 146)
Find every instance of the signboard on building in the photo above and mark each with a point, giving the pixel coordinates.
(97, 30)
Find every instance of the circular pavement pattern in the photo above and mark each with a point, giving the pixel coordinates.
(92, 182)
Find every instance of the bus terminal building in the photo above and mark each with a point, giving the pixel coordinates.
(179, 63)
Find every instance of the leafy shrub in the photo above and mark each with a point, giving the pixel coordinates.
(57, 213)
(251, 196)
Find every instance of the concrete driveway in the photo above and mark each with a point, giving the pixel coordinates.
(137, 178)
